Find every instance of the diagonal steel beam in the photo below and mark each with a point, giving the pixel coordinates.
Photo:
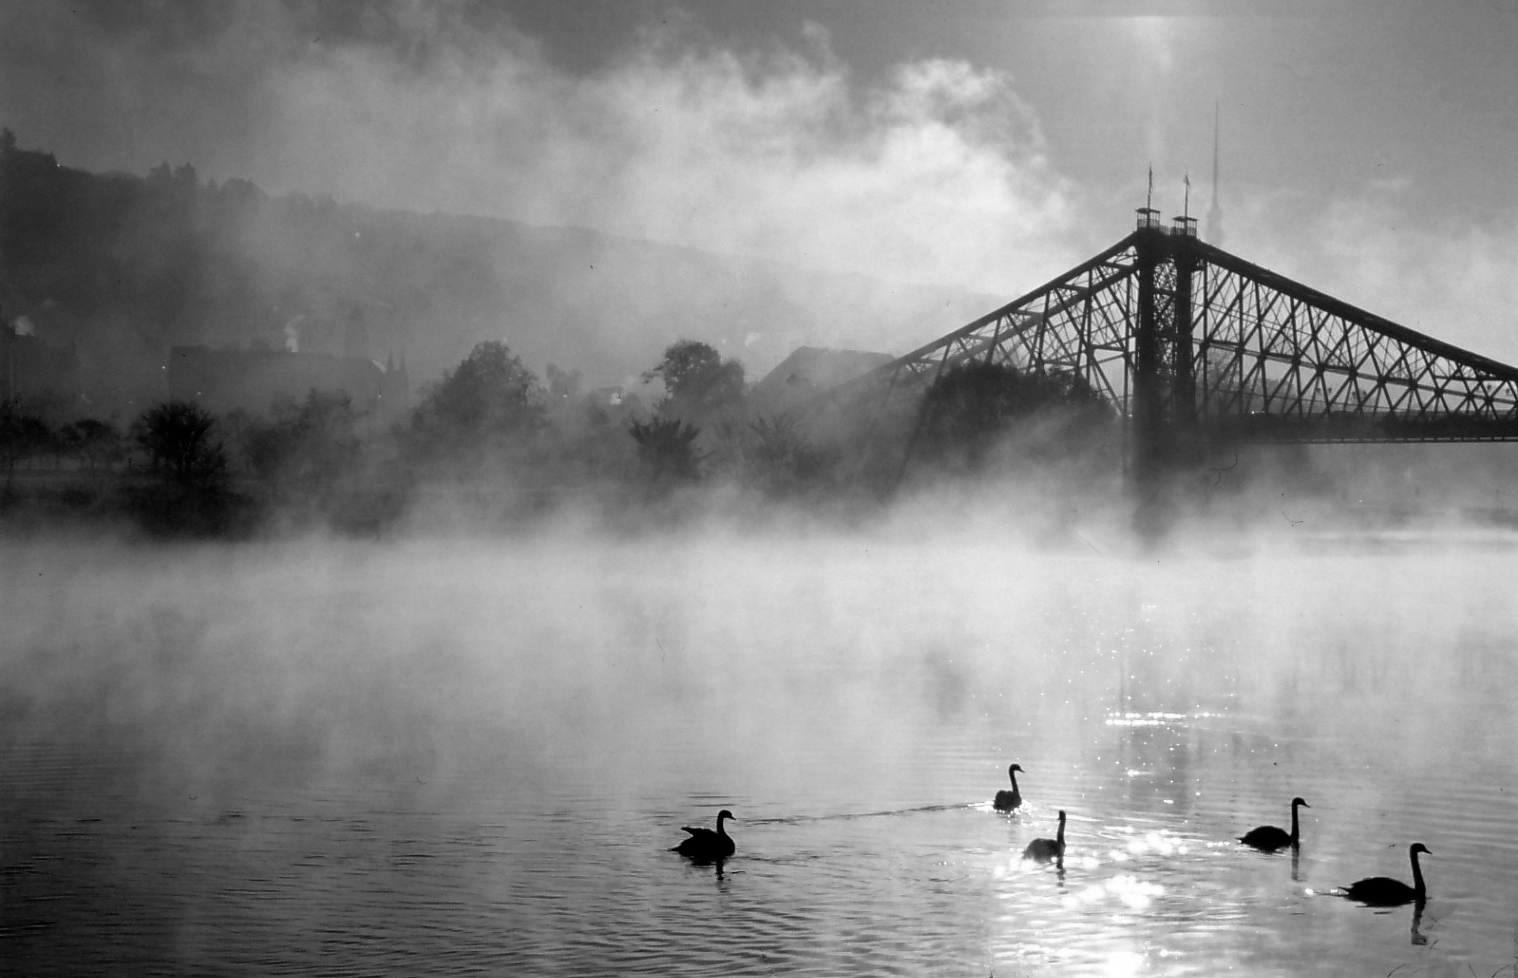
(1241, 349)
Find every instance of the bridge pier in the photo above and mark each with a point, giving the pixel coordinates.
(1163, 434)
(1197, 349)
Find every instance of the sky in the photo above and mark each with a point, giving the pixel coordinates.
(1365, 146)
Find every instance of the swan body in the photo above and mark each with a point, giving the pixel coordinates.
(1383, 891)
(1270, 838)
(704, 844)
(1006, 800)
(1043, 850)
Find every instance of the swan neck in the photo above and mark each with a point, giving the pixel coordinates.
(1059, 837)
(1418, 887)
(1296, 830)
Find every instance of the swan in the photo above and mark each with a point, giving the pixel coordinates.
(1044, 850)
(706, 844)
(1008, 800)
(1270, 838)
(1383, 891)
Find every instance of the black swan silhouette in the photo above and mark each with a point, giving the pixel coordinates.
(1006, 800)
(1383, 891)
(1044, 850)
(1269, 838)
(704, 844)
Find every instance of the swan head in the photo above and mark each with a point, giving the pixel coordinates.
(1298, 801)
(1015, 767)
(726, 814)
(1061, 814)
(1418, 847)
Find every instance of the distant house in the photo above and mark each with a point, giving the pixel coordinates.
(251, 380)
(810, 370)
(30, 367)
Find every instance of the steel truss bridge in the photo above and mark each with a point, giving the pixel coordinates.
(1185, 340)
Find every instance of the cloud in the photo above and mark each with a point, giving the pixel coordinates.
(1454, 281)
(936, 171)
(939, 173)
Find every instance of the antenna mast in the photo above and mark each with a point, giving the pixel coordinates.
(1215, 212)
(1215, 120)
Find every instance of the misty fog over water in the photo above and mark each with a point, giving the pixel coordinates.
(430, 480)
(451, 755)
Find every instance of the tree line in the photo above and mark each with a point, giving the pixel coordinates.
(491, 435)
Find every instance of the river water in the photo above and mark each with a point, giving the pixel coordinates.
(456, 757)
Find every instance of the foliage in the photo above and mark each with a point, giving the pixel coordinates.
(94, 442)
(490, 392)
(590, 443)
(488, 402)
(23, 434)
(191, 495)
(667, 452)
(697, 381)
(127, 266)
(178, 439)
(563, 384)
(780, 461)
(973, 407)
(308, 445)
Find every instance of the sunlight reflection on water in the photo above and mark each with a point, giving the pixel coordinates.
(480, 761)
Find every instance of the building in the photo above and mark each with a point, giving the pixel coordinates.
(252, 380)
(33, 369)
(809, 371)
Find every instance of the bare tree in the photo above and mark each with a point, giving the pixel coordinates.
(178, 439)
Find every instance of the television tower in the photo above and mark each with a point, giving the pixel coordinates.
(1215, 213)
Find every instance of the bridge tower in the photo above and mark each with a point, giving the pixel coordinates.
(1194, 347)
(1162, 424)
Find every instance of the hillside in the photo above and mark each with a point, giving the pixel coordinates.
(123, 267)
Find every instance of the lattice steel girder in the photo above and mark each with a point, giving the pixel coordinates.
(1301, 354)
(1078, 322)
(1258, 352)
